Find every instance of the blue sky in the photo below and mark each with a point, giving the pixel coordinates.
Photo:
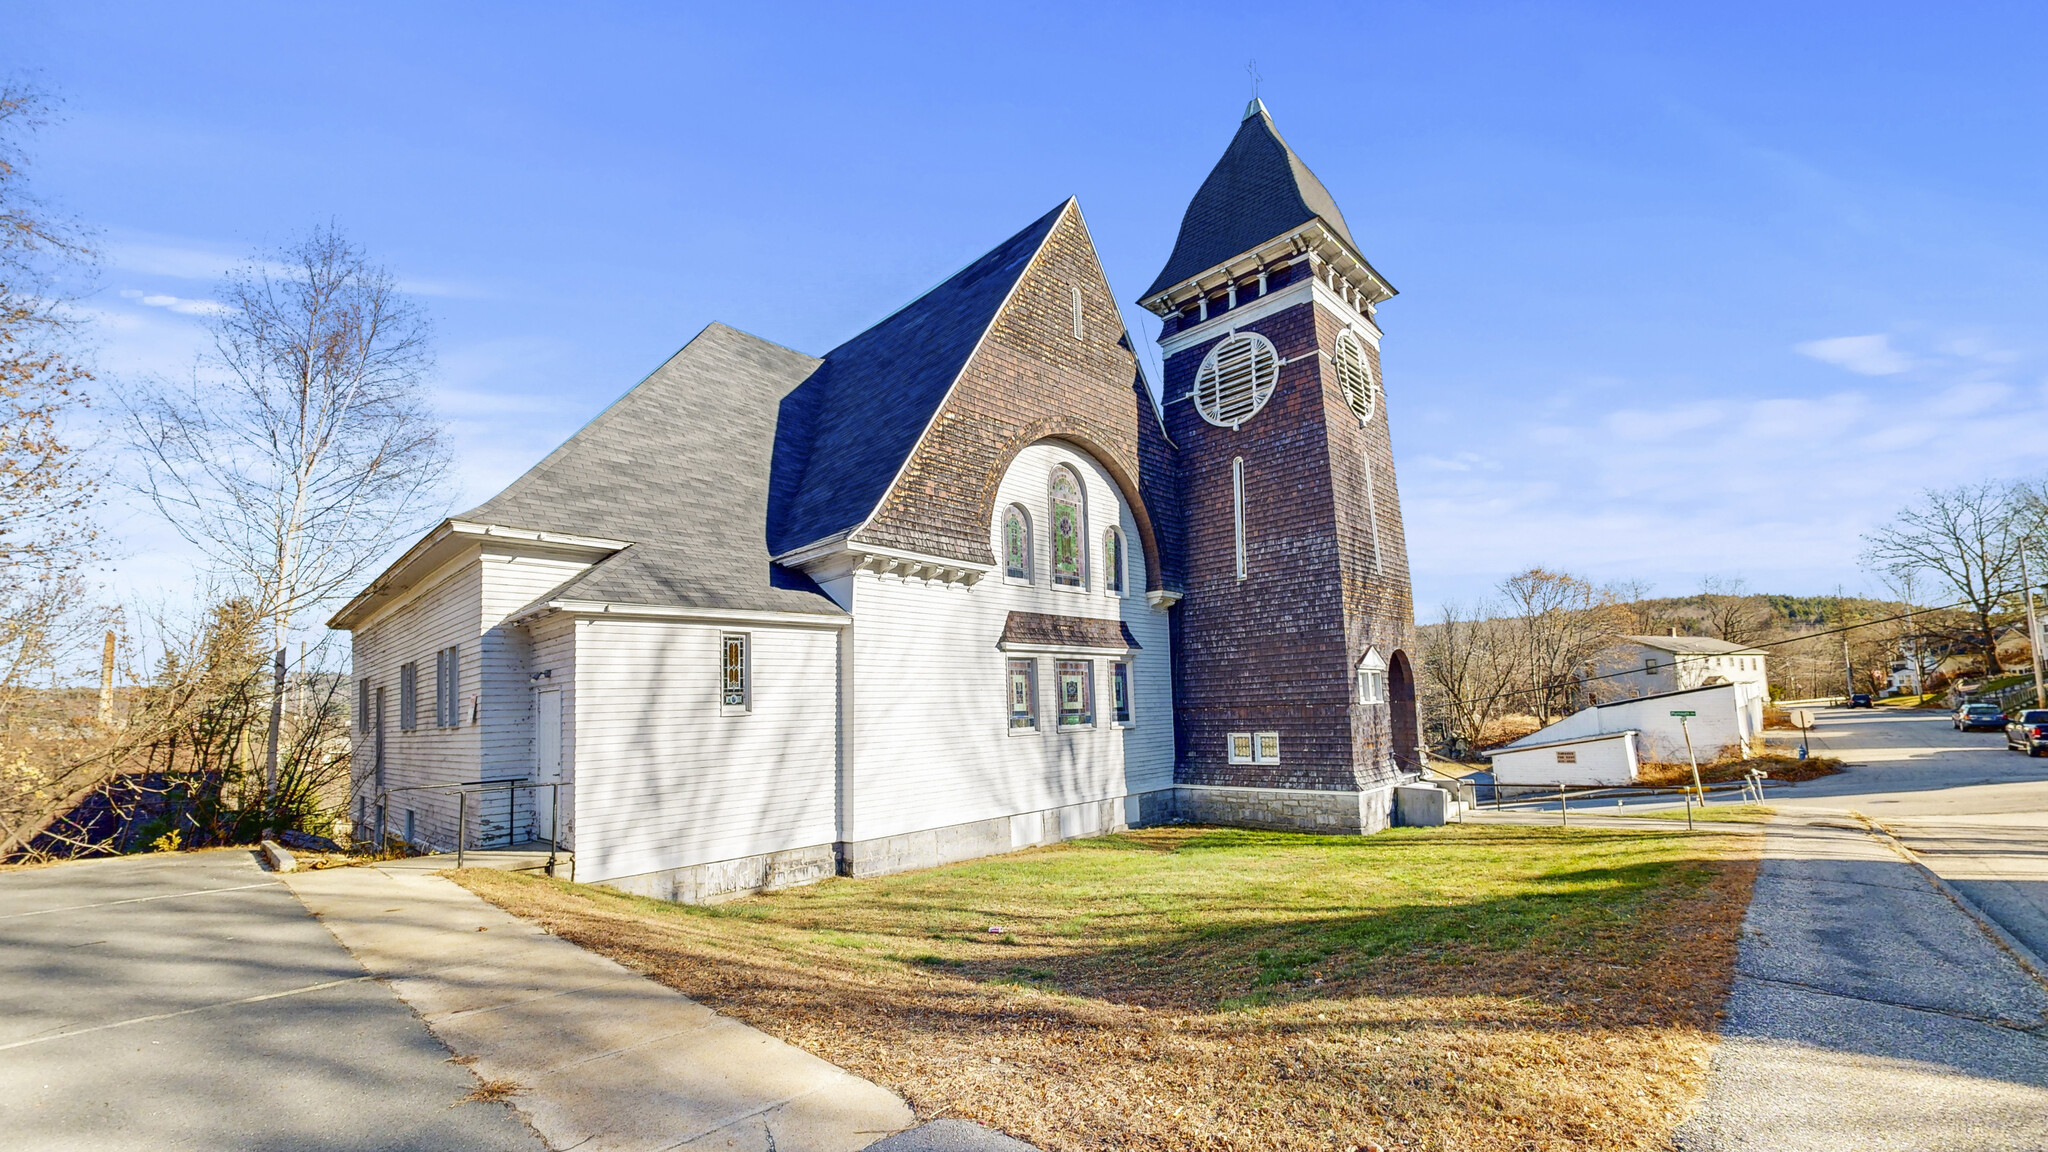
(1683, 292)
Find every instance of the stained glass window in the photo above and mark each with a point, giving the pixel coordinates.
(1120, 691)
(1067, 529)
(1113, 561)
(1016, 544)
(1023, 694)
(735, 673)
(1077, 693)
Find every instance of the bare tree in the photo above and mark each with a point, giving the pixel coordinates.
(303, 448)
(1563, 622)
(47, 490)
(1732, 614)
(1471, 670)
(1965, 539)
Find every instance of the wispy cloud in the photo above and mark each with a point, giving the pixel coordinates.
(177, 304)
(1864, 355)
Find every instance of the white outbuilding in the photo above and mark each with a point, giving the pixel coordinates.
(1714, 717)
(1607, 759)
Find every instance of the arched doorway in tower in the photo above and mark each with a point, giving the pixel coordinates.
(1401, 702)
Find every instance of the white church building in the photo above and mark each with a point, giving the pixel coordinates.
(772, 617)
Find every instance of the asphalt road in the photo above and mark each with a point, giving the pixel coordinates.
(190, 1002)
(1869, 1009)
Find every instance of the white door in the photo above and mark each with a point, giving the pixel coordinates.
(547, 747)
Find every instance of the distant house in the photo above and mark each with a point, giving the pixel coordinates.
(1651, 665)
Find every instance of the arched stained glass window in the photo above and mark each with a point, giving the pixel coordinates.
(1016, 543)
(1113, 562)
(1069, 529)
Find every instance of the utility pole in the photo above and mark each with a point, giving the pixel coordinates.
(1848, 669)
(2033, 628)
(107, 681)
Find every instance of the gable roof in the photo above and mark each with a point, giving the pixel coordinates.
(1259, 190)
(1694, 645)
(847, 430)
(680, 466)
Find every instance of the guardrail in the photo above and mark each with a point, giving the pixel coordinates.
(1751, 789)
(482, 788)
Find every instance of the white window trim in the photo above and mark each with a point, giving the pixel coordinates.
(1259, 740)
(1003, 545)
(1237, 508)
(746, 674)
(1123, 564)
(1094, 696)
(1130, 692)
(1052, 532)
(1230, 748)
(1037, 713)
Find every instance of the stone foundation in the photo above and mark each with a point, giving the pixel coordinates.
(1286, 809)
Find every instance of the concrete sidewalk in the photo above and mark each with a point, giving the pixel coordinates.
(1870, 1012)
(603, 1058)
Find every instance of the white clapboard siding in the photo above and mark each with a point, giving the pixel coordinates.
(513, 581)
(551, 653)
(463, 603)
(931, 740)
(665, 780)
(444, 609)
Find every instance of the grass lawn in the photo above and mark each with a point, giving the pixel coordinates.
(1470, 987)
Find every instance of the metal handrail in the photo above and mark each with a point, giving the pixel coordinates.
(463, 790)
(1751, 786)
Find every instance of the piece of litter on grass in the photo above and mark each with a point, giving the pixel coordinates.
(481, 928)
(995, 929)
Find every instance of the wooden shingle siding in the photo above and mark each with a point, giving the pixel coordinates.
(932, 740)
(665, 780)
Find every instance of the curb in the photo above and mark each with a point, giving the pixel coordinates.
(2027, 957)
(278, 857)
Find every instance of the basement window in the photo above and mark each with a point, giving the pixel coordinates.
(1567, 757)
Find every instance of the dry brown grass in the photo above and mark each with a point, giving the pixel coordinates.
(1780, 767)
(492, 1092)
(1467, 988)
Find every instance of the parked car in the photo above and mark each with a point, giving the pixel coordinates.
(1973, 716)
(1860, 700)
(2028, 732)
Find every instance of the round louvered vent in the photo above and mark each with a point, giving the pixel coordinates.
(1354, 373)
(1236, 379)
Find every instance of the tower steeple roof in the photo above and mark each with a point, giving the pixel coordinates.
(1259, 190)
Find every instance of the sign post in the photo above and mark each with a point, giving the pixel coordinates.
(1689, 755)
(1802, 719)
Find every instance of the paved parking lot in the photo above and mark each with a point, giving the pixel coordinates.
(191, 1002)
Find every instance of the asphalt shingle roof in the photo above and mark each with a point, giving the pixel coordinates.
(846, 432)
(1259, 190)
(680, 466)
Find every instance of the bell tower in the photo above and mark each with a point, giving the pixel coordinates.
(1294, 694)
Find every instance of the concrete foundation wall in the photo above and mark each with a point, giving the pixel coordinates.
(1286, 809)
(1281, 809)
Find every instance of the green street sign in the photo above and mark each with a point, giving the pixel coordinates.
(1685, 713)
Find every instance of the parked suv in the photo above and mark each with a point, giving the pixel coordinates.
(2028, 732)
(1972, 716)
(1860, 700)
